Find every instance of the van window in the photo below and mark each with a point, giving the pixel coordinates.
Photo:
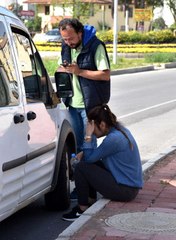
(32, 69)
(8, 84)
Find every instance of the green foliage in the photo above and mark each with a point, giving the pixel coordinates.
(158, 24)
(123, 37)
(134, 37)
(173, 27)
(172, 6)
(160, 57)
(164, 36)
(51, 65)
(105, 36)
(34, 25)
(160, 36)
(155, 3)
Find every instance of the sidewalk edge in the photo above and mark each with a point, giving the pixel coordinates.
(96, 207)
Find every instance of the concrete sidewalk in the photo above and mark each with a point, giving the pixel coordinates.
(151, 216)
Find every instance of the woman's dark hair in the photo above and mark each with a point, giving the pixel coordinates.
(71, 22)
(103, 113)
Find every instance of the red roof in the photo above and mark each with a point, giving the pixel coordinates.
(48, 2)
(38, 1)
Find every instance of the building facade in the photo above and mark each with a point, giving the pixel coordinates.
(99, 13)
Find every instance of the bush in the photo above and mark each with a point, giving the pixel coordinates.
(135, 37)
(123, 37)
(34, 25)
(161, 36)
(105, 36)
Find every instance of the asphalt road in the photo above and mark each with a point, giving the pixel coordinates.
(146, 103)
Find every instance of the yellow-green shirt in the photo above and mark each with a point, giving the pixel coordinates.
(102, 64)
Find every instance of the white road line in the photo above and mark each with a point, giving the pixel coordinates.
(146, 109)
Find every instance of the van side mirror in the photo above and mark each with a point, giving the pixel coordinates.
(64, 86)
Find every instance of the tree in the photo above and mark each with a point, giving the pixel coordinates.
(160, 3)
(143, 3)
(155, 3)
(79, 8)
(172, 5)
(34, 25)
(15, 8)
(158, 24)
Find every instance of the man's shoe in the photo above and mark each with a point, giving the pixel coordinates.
(73, 195)
(73, 215)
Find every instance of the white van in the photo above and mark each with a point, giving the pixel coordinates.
(36, 137)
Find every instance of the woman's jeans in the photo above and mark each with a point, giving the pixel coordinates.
(91, 178)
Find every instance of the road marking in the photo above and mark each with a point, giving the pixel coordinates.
(146, 109)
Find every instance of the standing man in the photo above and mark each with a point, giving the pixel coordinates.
(85, 57)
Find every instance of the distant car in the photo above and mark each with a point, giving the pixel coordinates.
(53, 35)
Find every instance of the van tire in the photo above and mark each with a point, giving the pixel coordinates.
(59, 198)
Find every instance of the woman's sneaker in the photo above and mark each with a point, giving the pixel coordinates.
(73, 214)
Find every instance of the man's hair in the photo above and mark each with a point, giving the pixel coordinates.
(71, 22)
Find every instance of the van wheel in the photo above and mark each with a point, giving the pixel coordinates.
(59, 198)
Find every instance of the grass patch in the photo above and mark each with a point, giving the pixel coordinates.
(122, 63)
(160, 57)
(51, 65)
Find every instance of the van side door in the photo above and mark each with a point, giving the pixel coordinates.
(39, 112)
(13, 127)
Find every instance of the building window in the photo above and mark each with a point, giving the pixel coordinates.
(47, 10)
(130, 12)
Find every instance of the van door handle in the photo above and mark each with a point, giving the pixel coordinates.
(18, 118)
(31, 115)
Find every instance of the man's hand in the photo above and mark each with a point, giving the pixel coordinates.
(73, 68)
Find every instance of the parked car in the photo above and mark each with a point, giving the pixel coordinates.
(36, 136)
(53, 35)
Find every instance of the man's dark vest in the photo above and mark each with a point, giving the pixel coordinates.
(94, 92)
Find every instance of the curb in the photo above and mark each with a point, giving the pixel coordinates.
(101, 203)
(143, 69)
(132, 70)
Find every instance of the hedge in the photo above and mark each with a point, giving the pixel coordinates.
(162, 36)
(133, 41)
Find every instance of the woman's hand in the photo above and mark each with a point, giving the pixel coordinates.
(90, 128)
(79, 156)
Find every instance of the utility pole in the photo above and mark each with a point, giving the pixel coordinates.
(126, 16)
(115, 32)
(103, 17)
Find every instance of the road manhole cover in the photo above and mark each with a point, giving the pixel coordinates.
(144, 222)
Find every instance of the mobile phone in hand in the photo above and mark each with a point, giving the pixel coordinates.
(64, 64)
